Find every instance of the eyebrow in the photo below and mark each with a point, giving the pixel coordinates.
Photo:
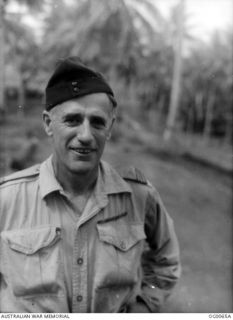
(80, 114)
(72, 115)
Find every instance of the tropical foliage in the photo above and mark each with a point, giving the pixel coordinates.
(16, 43)
(133, 44)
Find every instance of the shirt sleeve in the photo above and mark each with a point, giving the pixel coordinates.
(160, 259)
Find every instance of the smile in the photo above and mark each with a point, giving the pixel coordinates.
(82, 150)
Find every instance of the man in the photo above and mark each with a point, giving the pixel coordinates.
(76, 236)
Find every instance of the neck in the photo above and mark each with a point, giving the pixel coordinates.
(75, 183)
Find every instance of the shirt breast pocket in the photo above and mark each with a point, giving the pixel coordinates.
(31, 260)
(125, 242)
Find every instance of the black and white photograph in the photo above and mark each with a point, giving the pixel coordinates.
(116, 157)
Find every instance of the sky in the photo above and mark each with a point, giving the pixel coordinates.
(205, 16)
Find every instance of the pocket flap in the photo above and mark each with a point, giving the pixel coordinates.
(28, 241)
(124, 237)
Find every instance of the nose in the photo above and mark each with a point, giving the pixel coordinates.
(84, 132)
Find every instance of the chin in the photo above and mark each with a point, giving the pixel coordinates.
(84, 168)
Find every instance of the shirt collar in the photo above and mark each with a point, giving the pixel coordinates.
(108, 182)
(47, 180)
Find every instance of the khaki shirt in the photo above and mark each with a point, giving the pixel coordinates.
(122, 248)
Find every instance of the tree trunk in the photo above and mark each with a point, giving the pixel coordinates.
(2, 64)
(190, 120)
(21, 98)
(199, 105)
(209, 115)
(21, 88)
(176, 81)
(229, 130)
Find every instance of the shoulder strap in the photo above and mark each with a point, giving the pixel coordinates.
(134, 174)
(139, 186)
(29, 172)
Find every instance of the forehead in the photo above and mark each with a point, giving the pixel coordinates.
(97, 103)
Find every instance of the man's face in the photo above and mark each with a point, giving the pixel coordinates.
(79, 129)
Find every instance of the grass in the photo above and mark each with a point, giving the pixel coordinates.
(197, 196)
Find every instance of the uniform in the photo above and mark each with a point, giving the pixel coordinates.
(120, 250)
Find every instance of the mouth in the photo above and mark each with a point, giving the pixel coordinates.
(82, 151)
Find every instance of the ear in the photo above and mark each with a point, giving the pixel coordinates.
(110, 128)
(47, 122)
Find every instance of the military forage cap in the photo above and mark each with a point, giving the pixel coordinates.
(72, 79)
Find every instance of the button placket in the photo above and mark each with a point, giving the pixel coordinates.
(80, 277)
(80, 272)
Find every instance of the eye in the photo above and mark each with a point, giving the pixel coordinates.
(98, 122)
(73, 120)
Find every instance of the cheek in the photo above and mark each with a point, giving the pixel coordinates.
(61, 129)
(61, 135)
(102, 133)
(101, 138)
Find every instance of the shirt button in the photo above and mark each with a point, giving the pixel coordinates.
(79, 298)
(80, 261)
(58, 231)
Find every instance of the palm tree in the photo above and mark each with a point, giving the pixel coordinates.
(20, 43)
(207, 99)
(176, 81)
(33, 5)
(106, 32)
(2, 102)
